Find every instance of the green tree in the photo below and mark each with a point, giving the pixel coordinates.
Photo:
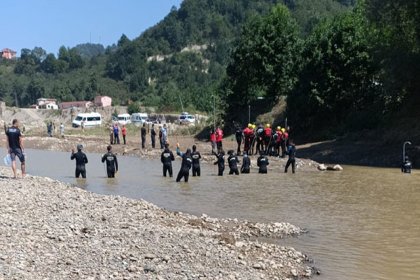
(398, 51)
(34, 91)
(338, 85)
(264, 61)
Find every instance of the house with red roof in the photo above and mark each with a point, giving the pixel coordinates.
(7, 53)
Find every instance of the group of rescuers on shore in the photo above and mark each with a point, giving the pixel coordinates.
(267, 142)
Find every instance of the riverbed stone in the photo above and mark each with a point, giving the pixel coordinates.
(51, 230)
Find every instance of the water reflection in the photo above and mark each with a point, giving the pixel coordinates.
(363, 222)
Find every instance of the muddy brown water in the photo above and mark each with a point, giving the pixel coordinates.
(363, 222)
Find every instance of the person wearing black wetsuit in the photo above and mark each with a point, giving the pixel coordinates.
(406, 166)
(246, 164)
(185, 165)
(220, 162)
(233, 163)
(143, 133)
(111, 163)
(196, 156)
(262, 163)
(239, 136)
(291, 151)
(81, 160)
(166, 158)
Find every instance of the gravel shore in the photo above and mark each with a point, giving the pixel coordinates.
(51, 230)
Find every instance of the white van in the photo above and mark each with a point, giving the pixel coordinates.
(89, 119)
(124, 119)
(139, 118)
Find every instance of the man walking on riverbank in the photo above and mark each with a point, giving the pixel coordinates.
(291, 151)
(153, 136)
(124, 133)
(81, 160)
(14, 145)
(111, 162)
(143, 133)
(116, 134)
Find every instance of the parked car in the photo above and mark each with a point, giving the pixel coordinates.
(139, 118)
(124, 119)
(88, 119)
(186, 118)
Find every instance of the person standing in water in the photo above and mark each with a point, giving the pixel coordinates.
(246, 164)
(81, 160)
(233, 163)
(184, 171)
(143, 133)
(406, 165)
(14, 145)
(262, 163)
(291, 152)
(196, 156)
(111, 162)
(167, 157)
(220, 162)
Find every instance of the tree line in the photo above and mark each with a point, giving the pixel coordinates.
(354, 71)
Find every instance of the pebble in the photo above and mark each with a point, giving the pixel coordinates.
(51, 230)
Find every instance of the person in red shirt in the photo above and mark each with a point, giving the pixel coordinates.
(219, 139)
(248, 132)
(124, 133)
(213, 140)
(267, 137)
(283, 142)
(278, 140)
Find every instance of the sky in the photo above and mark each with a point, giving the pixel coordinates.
(51, 24)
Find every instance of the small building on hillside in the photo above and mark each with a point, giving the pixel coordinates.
(49, 106)
(44, 101)
(7, 53)
(103, 101)
(76, 104)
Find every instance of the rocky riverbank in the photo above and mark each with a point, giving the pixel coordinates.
(50, 230)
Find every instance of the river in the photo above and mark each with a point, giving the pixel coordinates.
(363, 222)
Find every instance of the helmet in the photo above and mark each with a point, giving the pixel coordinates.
(254, 126)
(279, 128)
(267, 125)
(80, 147)
(283, 130)
(250, 125)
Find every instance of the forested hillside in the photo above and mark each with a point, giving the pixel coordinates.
(355, 71)
(182, 59)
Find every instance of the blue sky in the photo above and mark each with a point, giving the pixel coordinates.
(53, 23)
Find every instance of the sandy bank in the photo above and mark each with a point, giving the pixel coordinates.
(50, 230)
